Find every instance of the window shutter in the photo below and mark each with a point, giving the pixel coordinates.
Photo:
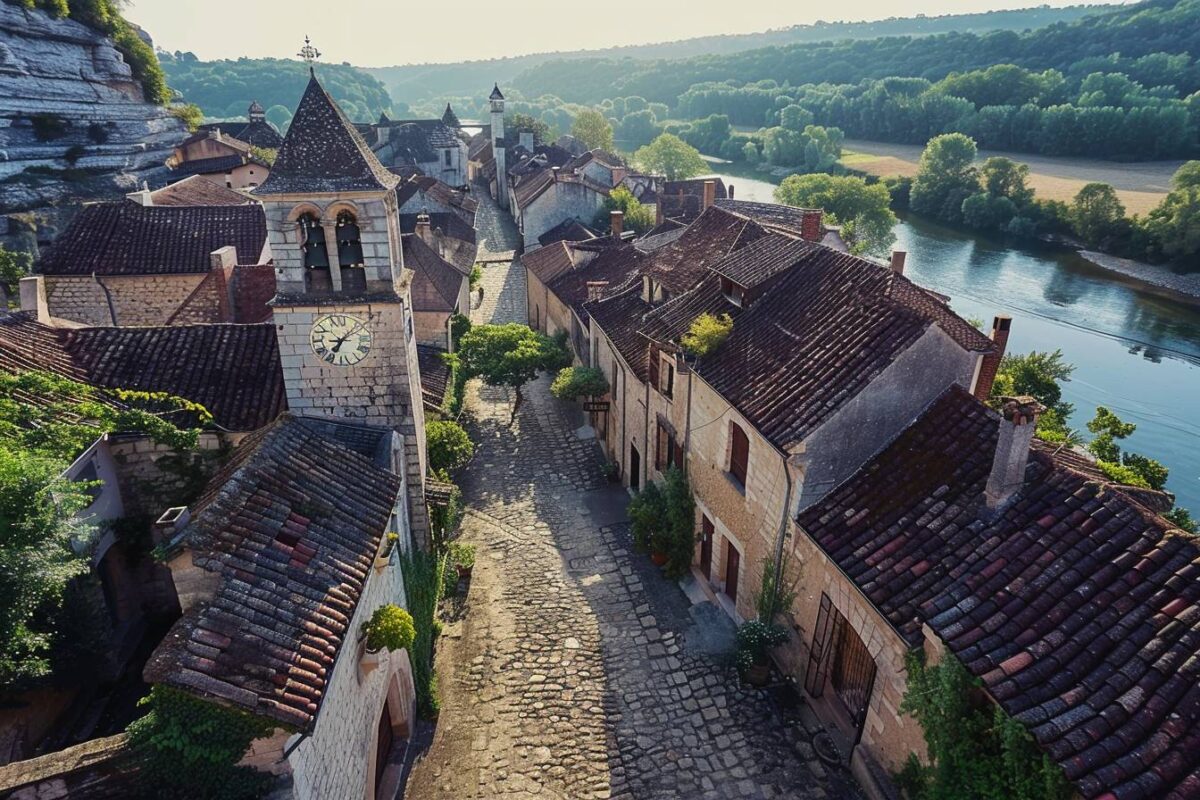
(654, 369)
(661, 448)
(739, 454)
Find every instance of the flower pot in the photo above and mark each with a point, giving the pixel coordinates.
(757, 674)
(372, 659)
(658, 558)
(463, 572)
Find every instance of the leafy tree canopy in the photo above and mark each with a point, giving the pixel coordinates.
(447, 445)
(638, 218)
(591, 128)
(671, 156)
(863, 210)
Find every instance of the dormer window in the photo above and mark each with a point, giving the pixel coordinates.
(733, 292)
(312, 238)
(350, 252)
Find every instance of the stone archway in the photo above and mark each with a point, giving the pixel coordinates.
(391, 729)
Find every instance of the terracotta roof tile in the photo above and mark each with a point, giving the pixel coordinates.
(435, 377)
(291, 526)
(232, 370)
(125, 238)
(198, 191)
(436, 283)
(258, 134)
(1077, 606)
(548, 262)
(569, 230)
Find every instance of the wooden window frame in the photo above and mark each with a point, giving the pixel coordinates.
(739, 469)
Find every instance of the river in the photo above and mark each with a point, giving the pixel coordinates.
(1135, 351)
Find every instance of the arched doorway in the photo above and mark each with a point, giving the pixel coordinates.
(392, 729)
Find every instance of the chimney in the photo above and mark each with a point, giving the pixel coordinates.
(729, 191)
(811, 228)
(658, 211)
(617, 223)
(710, 194)
(898, 258)
(33, 298)
(554, 174)
(142, 197)
(990, 363)
(595, 290)
(525, 139)
(223, 257)
(647, 289)
(1019, 416)
(424, 232)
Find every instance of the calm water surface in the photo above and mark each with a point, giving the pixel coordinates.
(1135, 351)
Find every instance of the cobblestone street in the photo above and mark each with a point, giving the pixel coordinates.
(576, 670)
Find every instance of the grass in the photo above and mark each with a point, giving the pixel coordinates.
(1141, 185)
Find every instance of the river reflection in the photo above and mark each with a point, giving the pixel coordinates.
(1135, 351)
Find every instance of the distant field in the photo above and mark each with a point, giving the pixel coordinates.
(1140, 186)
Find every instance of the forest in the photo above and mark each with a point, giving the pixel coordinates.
(224, 89)
(414, 82)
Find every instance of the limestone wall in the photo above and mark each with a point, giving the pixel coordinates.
(139, 299)
(562, 201)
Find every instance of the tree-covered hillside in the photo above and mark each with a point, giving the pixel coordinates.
(224, 89)
(1078, 48)
(412, 83)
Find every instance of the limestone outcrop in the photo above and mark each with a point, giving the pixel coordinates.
(74, 124)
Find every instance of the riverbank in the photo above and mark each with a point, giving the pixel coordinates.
(1184, 287)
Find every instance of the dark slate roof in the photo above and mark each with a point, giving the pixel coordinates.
(435, 132)
(407, 144)
(125, 238)
(495, 95)
(451, 224)
(436, 283)
(198, 191)
(620, 316)
(435, 378)
(449, 118)
(291, 525)
(569, 230)
(618, 264)
(683, 201)
(258, 134)
(653, 241)
(828, 326)
(323, 153)
(547, 263)
(1077, 607)
(693, 187)
(681, 264)
(232, 370)
(216, 165)
(771, 215)
(761, 259)
(438, 192)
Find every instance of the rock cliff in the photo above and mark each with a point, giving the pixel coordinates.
(74, 125)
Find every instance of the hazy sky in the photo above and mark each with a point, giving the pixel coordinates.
(374, 33)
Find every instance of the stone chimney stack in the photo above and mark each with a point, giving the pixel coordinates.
(142, 197)
(617, 223)
(33, 298)
(595, 290)
(423, 230)
(812, 228)
(223, 257)
(1019, 416)
(990, 363)
(729, 191)
(710, 194)
(898, 259)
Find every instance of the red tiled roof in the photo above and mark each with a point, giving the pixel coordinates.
(232, 370)
(548, 262)
(291, 526)
(617, 263)
(125, 238)
(620, 317)
(569, 230)
(435, 378)
(323, 153)
(1077, 607)
(198, 191)
(684, 262)
(761, 259)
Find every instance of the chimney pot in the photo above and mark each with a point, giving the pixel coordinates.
(617, 223)
(710, 194)
(989, 365)
(898, 259)
(423, 229)
(1019, 416)
(33, 298)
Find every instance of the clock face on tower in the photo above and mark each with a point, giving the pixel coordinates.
(340, 339)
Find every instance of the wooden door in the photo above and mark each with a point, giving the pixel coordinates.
(732, 561)
(706, 537)
(383, 747)
(635, 467)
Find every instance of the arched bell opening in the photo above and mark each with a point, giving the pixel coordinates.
(315, 253)
(350, 252)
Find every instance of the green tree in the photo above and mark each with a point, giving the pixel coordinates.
(1004, 178)
(14, 265)
(706, 334)
(572, 383)
(946, 177)
(447, 446)
(1175, 223)
(638, 218)
(863, 210)
(671, 156)
(516, 124)
(1039, 375)
(1108, 429)
(509, 355)
(591, 128)
(638, 128)
(1094, 212)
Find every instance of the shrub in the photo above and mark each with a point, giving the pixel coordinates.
(475, 279)
(575, 382)
(190, 114)
(390, 628)
(448, 447)
(706, 334)
(74, 153)
(423, 584)
(647, 514)
(462, 554)
(681, 523)
(754, 639)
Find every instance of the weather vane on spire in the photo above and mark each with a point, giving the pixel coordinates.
(309, 53)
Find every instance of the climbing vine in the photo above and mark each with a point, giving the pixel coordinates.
(976, 751)
(190, 747)
(423, 587)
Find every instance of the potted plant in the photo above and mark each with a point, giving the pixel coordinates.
(647, 516)
(463, 557)
(611, 472)
(754, 639)
(390, 628)
(660, 545)
(385, 554)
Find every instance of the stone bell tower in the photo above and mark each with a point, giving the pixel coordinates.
(342, 308)
(497, 103)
